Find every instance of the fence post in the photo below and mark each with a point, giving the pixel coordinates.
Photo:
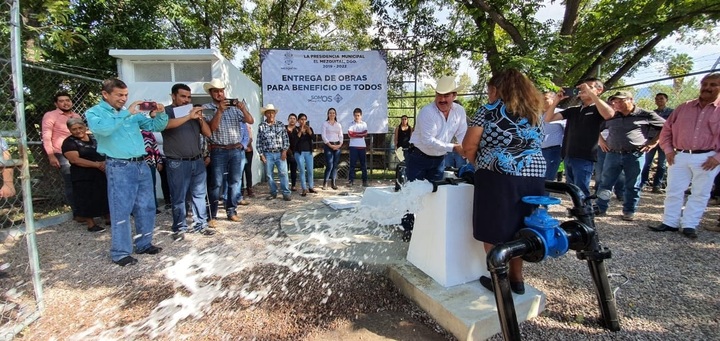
(16, 64)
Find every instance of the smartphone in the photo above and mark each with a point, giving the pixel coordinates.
(147, 106)
(232, 101)
(570, 92)
(208, 112)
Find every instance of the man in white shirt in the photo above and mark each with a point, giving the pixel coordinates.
(357, 132)
(435, 126)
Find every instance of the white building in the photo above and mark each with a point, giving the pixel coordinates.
(149, 75)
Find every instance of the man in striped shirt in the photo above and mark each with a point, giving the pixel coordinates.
(690, 139)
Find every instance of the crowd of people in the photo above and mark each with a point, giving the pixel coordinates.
(515, 142)
(520, 137)
(109, 164)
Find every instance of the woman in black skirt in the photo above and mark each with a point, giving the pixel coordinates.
(503, 142)
(87, 171)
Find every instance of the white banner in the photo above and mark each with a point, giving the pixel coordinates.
(311, 82)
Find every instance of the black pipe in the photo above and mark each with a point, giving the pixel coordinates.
(582, 238)
(497, 263)
(593, 252)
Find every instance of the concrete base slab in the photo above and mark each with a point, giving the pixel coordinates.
(468, 310)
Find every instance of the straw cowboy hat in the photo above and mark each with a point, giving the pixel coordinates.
(446, 85)
(268, 107)
(214, 84)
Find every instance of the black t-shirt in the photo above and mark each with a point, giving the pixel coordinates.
(581, 132)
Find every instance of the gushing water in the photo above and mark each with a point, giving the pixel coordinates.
(313, 241)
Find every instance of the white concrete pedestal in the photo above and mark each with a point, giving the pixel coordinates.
(442, 244)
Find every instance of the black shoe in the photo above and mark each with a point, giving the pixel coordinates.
(365, 184)
(663, 228)
(151, 250)
(178, 236)
(487, 283)
(690, 233)
(127, 260)
(517, 287)
(96, 228)
(286, 197)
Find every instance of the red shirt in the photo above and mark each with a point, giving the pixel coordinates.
(691, 127)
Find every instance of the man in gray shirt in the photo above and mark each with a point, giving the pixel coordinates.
(185, 165)
(631, 133)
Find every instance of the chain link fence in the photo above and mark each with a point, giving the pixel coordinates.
(41, 84)
(21, 291)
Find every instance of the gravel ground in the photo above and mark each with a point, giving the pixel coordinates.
(247, 282)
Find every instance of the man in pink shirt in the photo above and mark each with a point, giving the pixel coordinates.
(690, 139)
(54, 132)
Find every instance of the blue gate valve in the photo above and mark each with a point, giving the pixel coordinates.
(546, 227)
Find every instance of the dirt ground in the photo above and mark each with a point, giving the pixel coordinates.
(88, 297)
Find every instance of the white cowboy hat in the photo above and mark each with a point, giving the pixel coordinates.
(214, 84)
(446, 85)
(268, 107)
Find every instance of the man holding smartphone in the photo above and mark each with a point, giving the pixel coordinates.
(185, 165)
(130, 185)
(227, 147)
(582, 131)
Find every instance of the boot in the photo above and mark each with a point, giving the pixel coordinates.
(250, 193)
(324, 184)
(333, 185)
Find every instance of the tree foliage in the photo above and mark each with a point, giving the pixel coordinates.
(611, 38)
(680, 64)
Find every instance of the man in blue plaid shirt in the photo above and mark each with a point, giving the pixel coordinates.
(227, 148)
(272, 144)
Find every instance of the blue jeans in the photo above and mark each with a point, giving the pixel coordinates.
(552, 160)
(631, 164)
(332, 162)
(187, 182)
(272, 160)
(67, 180)
(578, 172)
(305, 168)
(358, 154)
(661, 168)
(232, 162)
(130, 192)
(421, 167)
(454, 160)
(619, 187)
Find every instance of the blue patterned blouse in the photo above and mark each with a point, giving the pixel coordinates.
(509, 144)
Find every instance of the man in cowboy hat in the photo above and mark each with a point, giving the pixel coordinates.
(435, 126)
(227, 148)
(631, 133)
(272, 145)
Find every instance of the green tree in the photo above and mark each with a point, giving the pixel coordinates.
(306, 25)
(679, 65)
(608, 37)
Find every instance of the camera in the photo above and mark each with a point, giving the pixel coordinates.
(147, 106)
(232, 101)
(570, 92)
